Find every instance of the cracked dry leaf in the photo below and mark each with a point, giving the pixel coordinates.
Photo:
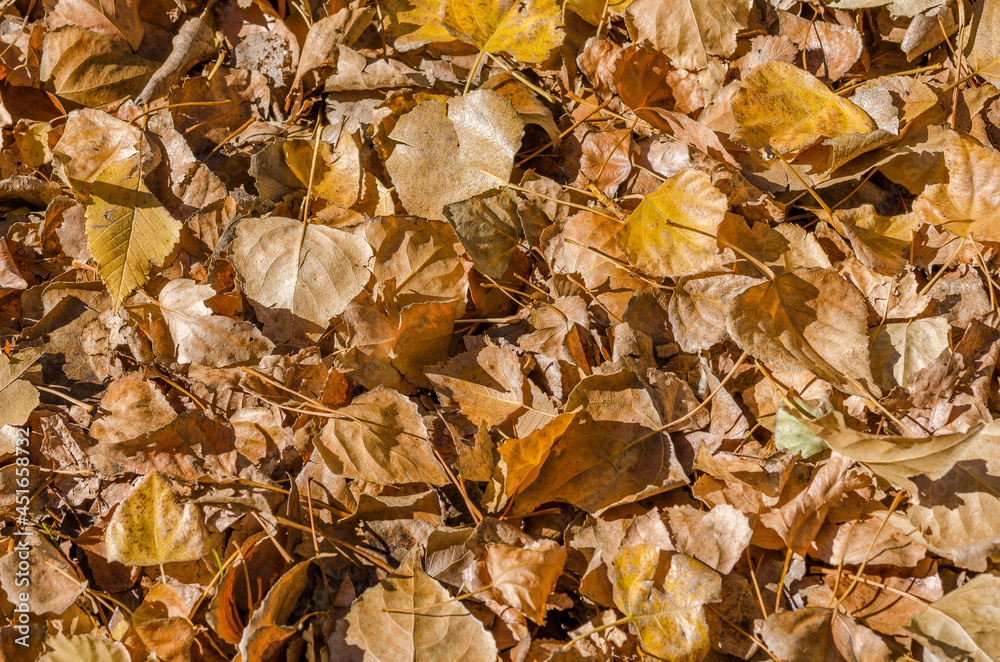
(87, 68)
(782, 107)
(672, 231)
(525, 577)
(202, 337)
(312, 271)
(410, 616)
(18, 398)
(464, 152)
(668, 614)
(968, 202)
(489, 227)
(150, 527)
(689, 33)
(128, 230)
(380, 438)
(808, 319)
(902, 349)
(963, 622)
(527, 29)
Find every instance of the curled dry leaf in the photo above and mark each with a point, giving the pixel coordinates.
(672, 231)
(782, 107)
(150, 527)
(424, 621)
(668, 614)
(380, 438)
(466, 151)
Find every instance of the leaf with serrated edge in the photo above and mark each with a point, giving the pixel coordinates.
(128, 230)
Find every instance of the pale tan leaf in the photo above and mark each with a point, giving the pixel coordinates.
(203, 337)
(312, 271)
(984, 56)
(18, 398)
(128, 230)
(83, 648)
(465, 152)
(51, 583)
(818, 633)
(382, 439)
(697, 309)
(135, 406)
(902, 349)
(151, 527)
(487, 386)
(424, 622)
(524, 577)
(962, 622)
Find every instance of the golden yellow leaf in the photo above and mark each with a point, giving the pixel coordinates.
(671, 232)
(418, 25)
(151, 527)
(968, 203)
(787, 109)
(669, 617)
(338, 177)
(527, 29)
(128, 230)
(524, 457)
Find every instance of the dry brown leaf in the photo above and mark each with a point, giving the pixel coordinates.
(135, 406)
(900, 350)
(689, 33)
(380, 438)
(487, 386)
(817, 633)
(809, 319)
(524, 577)
(489, 227)
(118, 20)
(959, 623)
(424, 620)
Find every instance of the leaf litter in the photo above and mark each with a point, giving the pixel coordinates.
(440, 330)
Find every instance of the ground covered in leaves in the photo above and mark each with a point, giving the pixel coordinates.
(464, 329)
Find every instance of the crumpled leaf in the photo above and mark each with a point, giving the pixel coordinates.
(203, 337)
(672, 231)
(128, 230)
(689, 32)
(426, 624)
(668, 614)
(782, 107)
(465, 152)
(310, 270)
(524, 577)
(150, 527)
(381, 438)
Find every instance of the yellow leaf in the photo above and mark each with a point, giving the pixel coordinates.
(424, 14)
(787, 109)
(669, 618)
(128, 230)
(671, 232)
(151, 527)
(527, 29)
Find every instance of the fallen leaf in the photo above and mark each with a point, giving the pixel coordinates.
(18, 397)
(380, 438)
(128, 230)
(527, 30)
(525, 577)
(467, 151)
(668, 614)
(782, 107)
(426, 623)
(902, 349)
(672, 231)
(150, 527)
(83, 648)
(117, 20)
(689, 33)
(489, 228)
(955, 624)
